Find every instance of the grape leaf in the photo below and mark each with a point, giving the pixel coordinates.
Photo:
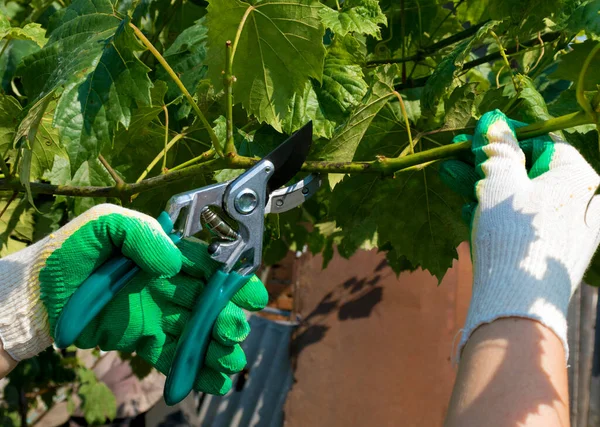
(40, 144)
(386, 136)
(305, 106)
(78, 36)
(346, 139)
(569, 66)
(342, 89)
(531, 107)
(421, 218)
(279, 48)
(356, 16)
(460, 108)
(343, 79)
(136, 146)
(88, 112)
(101, 75)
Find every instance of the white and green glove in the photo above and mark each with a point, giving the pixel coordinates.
(533, 232)
(147, 316)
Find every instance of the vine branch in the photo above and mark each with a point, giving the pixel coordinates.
(382, 165)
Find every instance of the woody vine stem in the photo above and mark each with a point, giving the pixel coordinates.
(228, 158)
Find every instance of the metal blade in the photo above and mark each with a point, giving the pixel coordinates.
(289, 157)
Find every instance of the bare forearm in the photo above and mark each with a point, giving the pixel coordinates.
(7, 363)
(512, 372)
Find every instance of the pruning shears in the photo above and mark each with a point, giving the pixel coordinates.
(234, 211)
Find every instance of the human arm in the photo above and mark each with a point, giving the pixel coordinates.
(147, 316)
(7, 363)
(512, 372)
(534, 227)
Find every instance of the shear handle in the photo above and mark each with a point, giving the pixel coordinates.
(97, 291)
(193, 342)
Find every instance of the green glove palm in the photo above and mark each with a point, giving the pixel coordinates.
(149, 314)
(157, 309)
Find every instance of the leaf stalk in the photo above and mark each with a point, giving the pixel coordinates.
(228, 80)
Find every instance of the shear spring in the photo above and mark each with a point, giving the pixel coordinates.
(217, 226)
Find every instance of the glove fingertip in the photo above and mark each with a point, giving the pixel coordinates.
(463, 137)
(253, 296)
(225, 358)
(212, 382)
(231, 326)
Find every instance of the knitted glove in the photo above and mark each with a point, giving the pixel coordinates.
(533, 233)
(147, 316)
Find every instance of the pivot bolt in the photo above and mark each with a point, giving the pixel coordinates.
(246, 201)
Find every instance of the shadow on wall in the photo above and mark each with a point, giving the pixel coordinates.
(353, 299)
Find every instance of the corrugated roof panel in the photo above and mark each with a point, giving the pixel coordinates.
(260, 402)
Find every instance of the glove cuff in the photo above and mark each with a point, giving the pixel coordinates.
(24, 328)
(546, 303)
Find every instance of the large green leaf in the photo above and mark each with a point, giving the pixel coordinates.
(418, 216)
(343, 79)
(345, 141)
(331, 101)
(569, 66)
(279, 48)
(91, 57)
(78, 38)
(531, 107)
(39, 143)
(355, 16)
(305, 106)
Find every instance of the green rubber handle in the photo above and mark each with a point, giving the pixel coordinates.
(193, 342)
(97, 291)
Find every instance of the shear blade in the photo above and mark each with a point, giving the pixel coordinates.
(289, 157)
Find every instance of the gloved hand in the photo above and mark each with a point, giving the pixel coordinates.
(533, 232)
(147, 316)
